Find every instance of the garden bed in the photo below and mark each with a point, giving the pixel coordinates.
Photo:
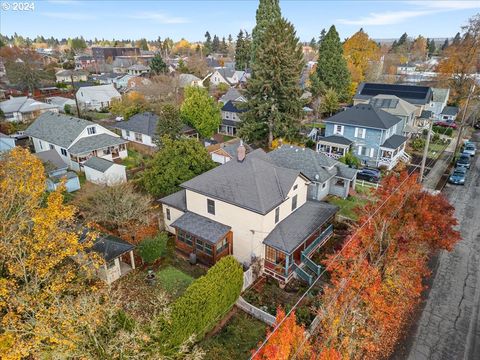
(236, 339)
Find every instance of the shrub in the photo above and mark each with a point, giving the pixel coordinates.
(204, 302)
(435, 138)
(418, 144)
(350, 160)
(67, 108)
(153, 248)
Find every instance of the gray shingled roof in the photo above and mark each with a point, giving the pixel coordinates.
(95, 142)
(299, 225)
(144, 123)
(345, 172)
(98, 164)
(394, 141)
(68, 175)
(201, 227)
(450, 110)
(365, 115)
(58, 129)
(232, 94)
(177, 200)
(336, 139)
(111, 247)
(440, 95)
(307, 161)
(51, 159)
(255, 184)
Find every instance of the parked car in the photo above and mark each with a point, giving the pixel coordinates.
(458, 176)
(469, 148)
(464, 161)
(447, 124)
(369, 174)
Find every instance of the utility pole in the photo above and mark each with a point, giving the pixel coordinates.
(462, 124)
(425, 152)
(74, 94)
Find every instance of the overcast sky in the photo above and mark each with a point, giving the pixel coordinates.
(190, 19)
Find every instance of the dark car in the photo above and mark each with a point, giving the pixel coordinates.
(372, 175)
(458, 176)
(464, 161)
(446, 124)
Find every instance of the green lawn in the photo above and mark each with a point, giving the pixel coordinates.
(134, 159)
(236, 339)
(348, 205)
(227, 138)
(435, 149)
(316, 125)
(174, 281)
(98, 115)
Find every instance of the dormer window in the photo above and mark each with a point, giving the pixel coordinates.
(91, 130)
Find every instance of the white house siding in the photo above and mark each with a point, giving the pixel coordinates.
(130, 136)
(114, 175)
(220, 158)
(41, 145)
(174, 215)
(249, 228)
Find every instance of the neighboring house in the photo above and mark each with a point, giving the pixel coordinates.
(226, 151)
(232, 95)
(327, 176)
(104, 172)
(65, 76)
(140, 128)
(398, 107)
(96, 97)
(121, 82)
(375, 135)
(75, 140)
(406, 69)
(24, 108)
(6, 142)
(449, 113)
(116, 253)
(222, 76)
(439, 102)
(83, 61)
(60, 102)
(105, 78)
(230, 118)
(57, 171)
(138, 69)
(252, 209)
(185, 80)
(420, 96)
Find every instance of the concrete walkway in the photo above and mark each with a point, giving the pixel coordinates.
(435, 174)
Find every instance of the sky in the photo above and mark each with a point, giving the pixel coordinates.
(191, 19)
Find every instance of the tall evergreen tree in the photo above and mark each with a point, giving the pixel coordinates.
(313, 43)
(207, 45)
(242, 51)
(223, 46)
(456, 39)
(322, 36)
(274, 108)
(215, 43)
(445, 44)
(332, 71)
(431, 47)
(267, 12)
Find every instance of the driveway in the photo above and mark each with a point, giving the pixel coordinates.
(448, 327)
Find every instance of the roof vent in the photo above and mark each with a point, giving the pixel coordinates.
(317, 177)
(241, 152)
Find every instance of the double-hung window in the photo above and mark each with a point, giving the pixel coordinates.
(168, 214)
(211, 206)
(91, 130)
(338, 129)
(277, 214)
(360, 133)
(294, 202)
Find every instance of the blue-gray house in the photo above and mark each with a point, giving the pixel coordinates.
(6, 142)
(370, 133)
(57, 170)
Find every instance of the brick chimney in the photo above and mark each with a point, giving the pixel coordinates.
(241, 151)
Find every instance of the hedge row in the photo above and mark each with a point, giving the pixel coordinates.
(442, 130)
(204, 302)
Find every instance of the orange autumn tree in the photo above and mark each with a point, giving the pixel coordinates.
(377, 277)
(45, 305)
(287, 341)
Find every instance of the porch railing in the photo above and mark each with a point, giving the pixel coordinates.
(317, 269)
(318, 241)
(304, 275)
(332, 155)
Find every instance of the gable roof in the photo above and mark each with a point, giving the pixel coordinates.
(226, 72)
(109, 247)
(98, 164)
(231, 107)
(185, 80)
(95, 142)
(450, 110)
(440, 95)
(98, 93)
(315, 166)
(58, 129)
(232, 94)
(143, 123)
(299, 225)
(393, 105)
(418, 95)
(394, 141)
(365, 115)
(24, 104)
(52, 160)
(177, 200)
(201, 227)
(255, 183)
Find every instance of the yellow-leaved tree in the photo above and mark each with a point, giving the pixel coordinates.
(47, 303)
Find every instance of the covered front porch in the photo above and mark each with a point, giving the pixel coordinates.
(334, 146)
(207, 239)
(392, 151)
(291, 245)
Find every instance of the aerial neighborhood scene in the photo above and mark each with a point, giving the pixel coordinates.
(258, 179)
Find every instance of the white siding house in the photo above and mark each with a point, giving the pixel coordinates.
(104, 172)
(96, 97)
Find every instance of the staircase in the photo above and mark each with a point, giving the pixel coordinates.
(405, 158)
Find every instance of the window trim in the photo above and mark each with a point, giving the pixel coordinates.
(336, 131)
(91, 130)
(294, 202)
(167, 213)
(277, 214)
(211, 206)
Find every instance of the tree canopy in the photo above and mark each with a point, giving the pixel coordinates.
(175, 162)
(157, 65)
(268, 11)
(169, 122)
(242, 51)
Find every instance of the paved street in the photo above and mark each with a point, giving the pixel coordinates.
(449, 324)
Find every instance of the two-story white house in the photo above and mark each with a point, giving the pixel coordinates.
(75, 140)
(252, 209)
(97, 97)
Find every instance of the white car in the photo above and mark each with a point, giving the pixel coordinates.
(469, 148)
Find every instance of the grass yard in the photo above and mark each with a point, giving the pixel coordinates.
(236, 339)
(134, 159)
(98, 115)
(173, 281)
(347, 206)
(228, 138)
(435, 149)
(314, 125)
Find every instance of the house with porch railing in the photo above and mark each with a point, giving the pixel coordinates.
(372, 134)
(251, 208)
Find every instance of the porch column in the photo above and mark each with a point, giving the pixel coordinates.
(286, 264)
(132, 260)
